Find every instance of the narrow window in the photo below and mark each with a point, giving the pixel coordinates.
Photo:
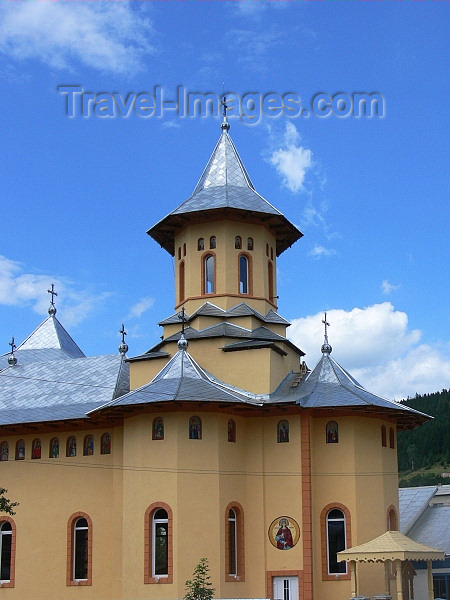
(267, 249)
(71, 447)
(332, 432)
(200, 244)
(158, 429)
(231, 431)
(6, 534)
(270, 278)
(250, 243)
(4, 451)
(283, 431)
(391, 438)
(238, 242)
(335, 541)
(271, 253)
(88, 445)
(383, 436)
(212, 242)
(195, 428)
(392, 522)
(160, 554)
(105, 444)
(36, 449)
(54, 448)
(80, 549)
(20, 450)
(243, 274)
(209, 274)
(181, 281)
(179, 252)
(232, 541)
(184, 249)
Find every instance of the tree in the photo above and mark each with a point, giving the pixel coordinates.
(200, 586)
(6, 506)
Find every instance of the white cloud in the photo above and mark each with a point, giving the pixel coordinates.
(292, 161)
(321, 251)
(140, 307)
(28, 289)
(109, 36)
(388, 287)
(376, 346)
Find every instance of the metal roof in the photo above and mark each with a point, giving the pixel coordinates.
(412, 503)
(225, 186)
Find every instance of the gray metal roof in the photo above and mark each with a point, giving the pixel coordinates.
(49, 341)
(225, 185)
(426, 522)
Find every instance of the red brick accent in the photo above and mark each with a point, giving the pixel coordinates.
(271, 574)
(240, 542)
(70, 542)
(323, 534)
(12, 569)
(148, 543)
(307, 578)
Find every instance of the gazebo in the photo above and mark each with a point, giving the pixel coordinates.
(391, 547)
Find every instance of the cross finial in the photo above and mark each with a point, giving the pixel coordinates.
(13, 345)
(123, 347)
(123, 333)
(12, 360)
(225, 126)
(182, 317)
(52, 309)
(326, 348)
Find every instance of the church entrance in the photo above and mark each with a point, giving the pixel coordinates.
(285, 588)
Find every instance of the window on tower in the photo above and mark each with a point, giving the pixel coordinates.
(238, 242)
(243, 274)
(209, 287)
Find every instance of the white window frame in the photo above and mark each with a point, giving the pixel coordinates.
(155, 523)
(344, 523)
(75, 529)
(2, 534)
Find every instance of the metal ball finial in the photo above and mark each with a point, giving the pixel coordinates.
(182, 343)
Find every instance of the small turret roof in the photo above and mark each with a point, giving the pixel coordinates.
(223, 186)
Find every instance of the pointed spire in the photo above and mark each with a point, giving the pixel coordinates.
(326, 348)
(52, 308)
(123, 347)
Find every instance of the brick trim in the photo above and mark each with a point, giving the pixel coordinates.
(271, 574)
(323, 533)
(240, 545)
(148, 544)
(12, 564)
(70, 581)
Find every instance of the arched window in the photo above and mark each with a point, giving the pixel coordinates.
(336, 541)
(231, 430)
(250, 243)
(200, 244)
(270, 278)
(208, 262)
(283, 431)
(267, 249)
(391, 438)
(54, 448)
(212, 242)
(79, 550)
(105, 444)
(238, 242)
(4, 451)
(158, 429)
(7, 551)
(88, 445)
(271, 253)
(243, 275)
(20, 450)
(179, 252)
(36, 449)
(332, 432)
(392, 521)
(234, 543)
(71, 446)
(158, 566)
(383, 436)
(195, 428)
(184, 249)
(181, 281)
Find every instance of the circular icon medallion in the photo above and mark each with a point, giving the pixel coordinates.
(284, 533)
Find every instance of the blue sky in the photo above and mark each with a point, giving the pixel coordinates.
(369, 194)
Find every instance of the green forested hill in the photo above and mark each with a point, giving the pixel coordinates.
(424, 452)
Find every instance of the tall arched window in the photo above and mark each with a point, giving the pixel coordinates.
(79, 545)
(158, 544)
(336, 541)
(392, 521)
(391, 438)
(181, 279)
(7, 551)
(208, 269)
(383, 436)
(270, 279)
(4, 451)
(234, 543)
(243, 275)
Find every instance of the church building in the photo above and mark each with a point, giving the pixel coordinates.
(216, 443)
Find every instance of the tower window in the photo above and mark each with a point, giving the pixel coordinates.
(270, 278)
(383, 436)
(181, 281)
(184, 249)
(250, 243)
(335, 540)
(212, 242)
(179, 252)
(209, 274)
(238, 242)
(391, 438)
(200, 244)
(243, 274)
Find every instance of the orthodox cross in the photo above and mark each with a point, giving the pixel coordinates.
(53, 293)
(326, 325)
(182, 316)
(123, 333)
(13, 345)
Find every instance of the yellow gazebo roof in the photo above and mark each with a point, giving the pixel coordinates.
(391, 545)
